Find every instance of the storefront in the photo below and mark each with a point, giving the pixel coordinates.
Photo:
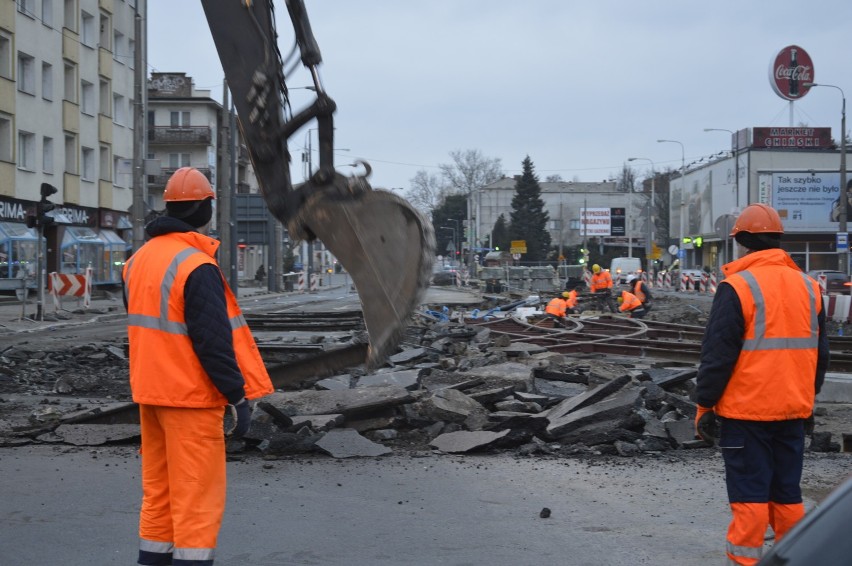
(87, 237)
(18, 250)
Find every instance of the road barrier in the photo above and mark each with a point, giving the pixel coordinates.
(70, 285)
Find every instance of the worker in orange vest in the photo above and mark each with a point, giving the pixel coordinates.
(602, 285)
(630, 304)
(571, 301)
(191, 356)
(763, 360)
(641, 290)
(556, 306)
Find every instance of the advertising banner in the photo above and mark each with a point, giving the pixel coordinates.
(808, 201)
(596, 221)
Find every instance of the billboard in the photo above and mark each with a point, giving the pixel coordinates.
(798, 138)
(807, 201)
(789, 71)
(603, 221)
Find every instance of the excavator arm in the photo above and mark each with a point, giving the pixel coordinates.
(385, 244)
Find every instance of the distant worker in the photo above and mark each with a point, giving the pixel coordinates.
(641, 290)
(602, 285)
(570, 301)
(763, 360)
(191, 355)
(556, 306)
(630, 304)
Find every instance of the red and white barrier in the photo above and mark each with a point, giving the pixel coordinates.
(587, 278)
(713, 283)
(300, 285)
(823, 284)
(314, 281)
(70, 285)
(837, 307)
(668, 280)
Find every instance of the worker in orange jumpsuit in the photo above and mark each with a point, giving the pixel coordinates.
(631, 305)
(556, 306)
(763, 360)
(191, 355)
(571, 301)
(602, 285)
(641, 290)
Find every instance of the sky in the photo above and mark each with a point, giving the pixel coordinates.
(579, 87)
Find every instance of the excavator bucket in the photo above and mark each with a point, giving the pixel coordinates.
(379, 238)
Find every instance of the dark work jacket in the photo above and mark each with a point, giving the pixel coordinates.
(206, 314)
(723, 341)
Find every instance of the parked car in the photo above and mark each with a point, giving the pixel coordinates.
(822, 537)
(836, 282)
(695, 275)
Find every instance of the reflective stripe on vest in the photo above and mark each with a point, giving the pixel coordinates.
(760, 341)
(162, 322)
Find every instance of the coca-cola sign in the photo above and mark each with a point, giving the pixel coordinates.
(789, 71)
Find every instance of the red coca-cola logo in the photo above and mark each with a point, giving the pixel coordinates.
(789, 71)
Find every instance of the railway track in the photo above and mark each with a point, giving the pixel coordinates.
(629, 337)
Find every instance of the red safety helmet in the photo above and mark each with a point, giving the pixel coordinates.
(758, 218)
(188, 184)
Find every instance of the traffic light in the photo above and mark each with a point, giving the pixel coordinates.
(698, 241)
(43, 206)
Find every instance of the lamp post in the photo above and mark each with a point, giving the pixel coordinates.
(649, 245)
(842, 258)
(736, 181)
(681, 253)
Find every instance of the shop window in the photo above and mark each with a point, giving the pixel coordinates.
(18, 249)
(81, 248)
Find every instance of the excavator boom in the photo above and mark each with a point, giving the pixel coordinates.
(385, 244)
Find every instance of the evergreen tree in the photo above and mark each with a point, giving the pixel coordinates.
(500, 232)
(528, 217)
(448, 221)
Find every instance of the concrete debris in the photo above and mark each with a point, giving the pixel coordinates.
(347, 443)
(455, 391)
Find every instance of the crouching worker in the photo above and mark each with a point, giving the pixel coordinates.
(191, 355)
(571, 302)
(641, 290)
(630, 304)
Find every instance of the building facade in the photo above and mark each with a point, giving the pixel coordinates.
(66, 108)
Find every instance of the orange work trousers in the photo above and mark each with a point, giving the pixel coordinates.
(748, 528)
(183, 482)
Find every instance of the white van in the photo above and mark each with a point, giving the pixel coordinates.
(621, 267)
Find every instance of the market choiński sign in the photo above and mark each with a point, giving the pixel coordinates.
(792, 138)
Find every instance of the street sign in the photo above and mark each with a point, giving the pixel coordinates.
(681, 254)
(842, 242)
(516, 256)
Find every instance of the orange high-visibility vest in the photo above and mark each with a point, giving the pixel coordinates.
(164, 369)
(601, 281)
(556, 307)
(774, 376)
(571, 301)
(629, 302)
(637, 290)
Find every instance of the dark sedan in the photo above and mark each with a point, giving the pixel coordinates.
(836, 282)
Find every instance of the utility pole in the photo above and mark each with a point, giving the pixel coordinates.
(232, 197)
(224, 204)
(139, 126)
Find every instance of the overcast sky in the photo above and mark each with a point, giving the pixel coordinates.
(577, 86)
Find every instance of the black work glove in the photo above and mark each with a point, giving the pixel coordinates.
(708, 427)
(241, 413)
(809, 425)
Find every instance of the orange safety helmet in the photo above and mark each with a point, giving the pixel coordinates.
(758, 218)
(188, 184)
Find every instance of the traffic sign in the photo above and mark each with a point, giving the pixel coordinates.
(842, 242)
(516, 256)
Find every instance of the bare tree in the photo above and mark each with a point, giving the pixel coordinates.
(470, 170)
(427, 191)
(555, 178)
(626, 182)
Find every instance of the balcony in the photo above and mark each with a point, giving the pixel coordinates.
(181, 135)
(159, 181)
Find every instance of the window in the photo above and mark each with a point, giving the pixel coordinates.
(151, 121)
(5, 56)
(118, 46)
(87, 33)
(47, 155)
(105, 98)
(105, 32)
(5, 137)
(27, 7)
(131, 52)
(179, 119)
(119, 109)
(120, 177)
(47, 12)
(177, 160)
(88, 159)
(26, 150)
(104, 164)
(46, 81)
(87, 98)
(70, 15)
(26, 73)
(71, 154)
(70, 90)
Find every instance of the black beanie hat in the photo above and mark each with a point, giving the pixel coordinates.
(760, 241)
(196, 213)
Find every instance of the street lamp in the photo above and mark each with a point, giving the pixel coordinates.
(649, 245)
(842, 258)
(681, 254)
